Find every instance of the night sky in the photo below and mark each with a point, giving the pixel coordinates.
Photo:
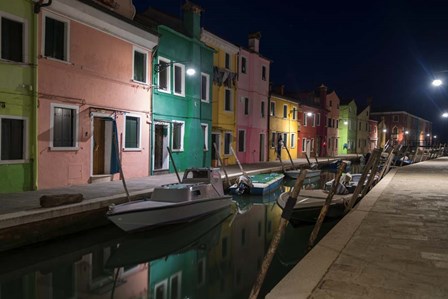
(389, 50)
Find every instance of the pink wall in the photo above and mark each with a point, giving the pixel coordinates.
(98, 75)
(252, 86)
(332, 133)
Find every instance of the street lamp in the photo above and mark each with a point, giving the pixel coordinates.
(309, 113)
(437, 82)
(445, 114)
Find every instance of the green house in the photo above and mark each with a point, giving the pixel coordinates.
(181, 91)
(347, 128)
(18, 96)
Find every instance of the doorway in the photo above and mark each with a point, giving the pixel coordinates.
(102, 145)
(161, 155)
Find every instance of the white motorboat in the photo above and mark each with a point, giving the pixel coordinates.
(310, 173)
(200, 193)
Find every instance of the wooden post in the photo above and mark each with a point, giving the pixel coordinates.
(220, 162)
(237, 161)
(404, 155)
(119, 162)
(386, 165)
(372, 175)
(325, 207)
(174, 164)
(290, 158)
(307, 159)
(360, 186)
(287, 211)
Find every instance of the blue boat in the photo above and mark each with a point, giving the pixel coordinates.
(262, 183)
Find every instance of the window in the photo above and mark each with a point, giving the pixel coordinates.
(175, 285)
(337, 123)
(285, 111)
(241, 140)
(305, 119)
(160, 290)
(273, 139)
(13, 138)
(293, 140)
(294, 113)
(178, 135)
(201, 272)
(140, 66)
(64, 124)
(329, 122)
(318, 119)
(227, 61)
(303, 144)
(285, 138)
(314, 120)
(164, 75)
(205, 134)
(205, 87)
(246, 106)
(179, 79)
(395, 118)
(56, 37)
(243, 65)
(262, 109)
(132, 132)
(13, 38)
(263, 73)
(228, 100)
(272, 108)
(330, 103)
(227, 143)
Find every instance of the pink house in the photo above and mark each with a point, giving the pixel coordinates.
(252, 103)
(94, 94)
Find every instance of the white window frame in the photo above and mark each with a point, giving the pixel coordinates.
(230, 142)
(179, 289)
(25, 57)
(164, 284)
(182, 83)
(314, 119)
(285, 111)
(318, 119)
(294, 113)
(67, 35)
(145, 53)
(303, 145)
(24, 141)
(305, 119)
(203, 269)
(272, 108)
(168, 75)
(230, 100)
(244, 144)
(207, 96)
(139, 146)
(182, 136)
(292, 142)
(76, 130)
(203, 125)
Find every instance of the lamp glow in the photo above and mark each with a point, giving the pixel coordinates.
(437, 82)
(345, 122)
(309, 114)
(191, 71)
(406, 132)
(445, 114)
(384, 130)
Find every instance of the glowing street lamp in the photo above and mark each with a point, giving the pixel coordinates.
(384, 130)
(309, 113)
(437, 82)
(445, 114)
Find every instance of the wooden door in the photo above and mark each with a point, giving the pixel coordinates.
(98, 145)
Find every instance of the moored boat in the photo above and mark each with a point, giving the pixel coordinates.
(310, 173)
(261, 184)
(200, 193)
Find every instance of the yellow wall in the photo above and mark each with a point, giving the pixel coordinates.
(224, 121)
(279, 124)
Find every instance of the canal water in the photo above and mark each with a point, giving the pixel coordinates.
(218, 256)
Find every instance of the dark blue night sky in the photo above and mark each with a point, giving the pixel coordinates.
(389, 50)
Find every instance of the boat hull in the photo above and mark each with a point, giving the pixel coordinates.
(310, 173)
(262, 183)
(147, 214)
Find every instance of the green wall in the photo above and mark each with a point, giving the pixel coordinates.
(347, 132)
(17, 97)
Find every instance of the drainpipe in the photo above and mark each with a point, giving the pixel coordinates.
(152, 126)
(35, 99)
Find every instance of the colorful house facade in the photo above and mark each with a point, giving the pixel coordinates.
(363, 131)
(312, 127)
(347, 127)
(224, 96)
(18, 102)
(182, 106)
(373, 134)
(283, 124)
(252, 103)
(331, 104)
(94, 94)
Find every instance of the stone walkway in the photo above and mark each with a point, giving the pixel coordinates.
(394, 244)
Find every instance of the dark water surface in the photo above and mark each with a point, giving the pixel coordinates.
(218, 256)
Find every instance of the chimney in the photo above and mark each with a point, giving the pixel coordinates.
(323, 95)
(254, 41)
(192, 19)
(282, 89)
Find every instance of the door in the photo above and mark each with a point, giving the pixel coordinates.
(98, 145)
(215, 140)
(161, 155)
(261, 149)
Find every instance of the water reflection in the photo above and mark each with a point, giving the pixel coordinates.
(215, 257)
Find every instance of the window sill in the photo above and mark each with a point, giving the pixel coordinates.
(182, 95)
(56, 60)
(177, 151)
(9, 162)
(168, 91)
(132, 149)
(63, 149)
(139, 82)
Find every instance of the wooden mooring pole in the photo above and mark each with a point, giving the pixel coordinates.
(220, 163)
(286, 215)
(325, 207)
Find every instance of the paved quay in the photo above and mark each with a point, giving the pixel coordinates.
(23, 221)
(394, 244)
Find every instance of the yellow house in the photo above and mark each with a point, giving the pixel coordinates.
(283, 122)
(223, 96)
